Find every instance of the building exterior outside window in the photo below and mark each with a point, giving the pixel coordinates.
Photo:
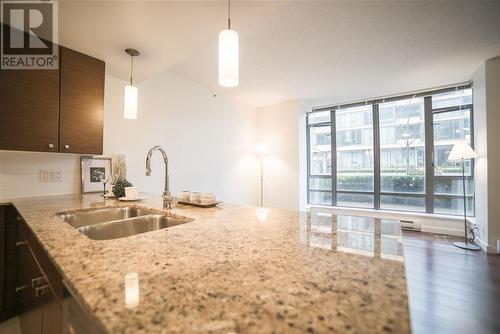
(380, 153)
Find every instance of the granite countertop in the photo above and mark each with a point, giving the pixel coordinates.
(228, 272)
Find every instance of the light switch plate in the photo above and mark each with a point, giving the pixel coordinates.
(51, 175)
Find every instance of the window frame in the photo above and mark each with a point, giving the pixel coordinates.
(429, 192)
(470, 108)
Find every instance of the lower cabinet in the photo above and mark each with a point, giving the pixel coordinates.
(8, 262)
(32, 287)
(39, 286)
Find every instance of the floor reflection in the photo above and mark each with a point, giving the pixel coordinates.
(132, 290)
(368, 236)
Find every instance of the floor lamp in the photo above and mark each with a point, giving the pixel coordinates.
(461, 152)
(261, 150)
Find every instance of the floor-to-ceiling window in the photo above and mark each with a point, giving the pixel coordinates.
(402, 154)
(320, 158)
(354, 147)
(452, 119)
(392, 153)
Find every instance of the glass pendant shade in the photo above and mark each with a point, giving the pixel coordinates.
(229, 58)
(130, 102)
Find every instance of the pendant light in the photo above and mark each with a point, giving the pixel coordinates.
(131, 92)
(229, 54)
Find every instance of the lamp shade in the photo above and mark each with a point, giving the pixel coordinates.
(130, 102)
(261, 148)
(461, 151)
(229, 58)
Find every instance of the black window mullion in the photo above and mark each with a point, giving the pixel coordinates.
(354, 192)
(376, 156)
(333, 154)
(452, 108)
(471, 134)
(429, 155)
(402, 194)
(308, 145)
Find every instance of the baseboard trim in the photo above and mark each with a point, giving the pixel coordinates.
(484, 246)
(442, 230)
(492, 249)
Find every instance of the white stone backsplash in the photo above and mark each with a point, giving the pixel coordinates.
(20, 174)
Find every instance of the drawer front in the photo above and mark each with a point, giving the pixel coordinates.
(37, 274)
(27, 272)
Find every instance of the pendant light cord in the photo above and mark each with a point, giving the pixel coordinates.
(229, 14)
(131, 69)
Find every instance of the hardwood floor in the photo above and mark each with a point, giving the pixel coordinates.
(451, 290)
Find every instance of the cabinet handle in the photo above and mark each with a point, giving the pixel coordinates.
(51, 145)
(40, 291)
(20, 243)
(22, 287)
(66, 147)
(36, 282)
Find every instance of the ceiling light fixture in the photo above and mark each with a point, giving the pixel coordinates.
(229, 54)
(131, 92)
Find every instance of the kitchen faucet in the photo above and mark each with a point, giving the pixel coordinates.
(167, 197)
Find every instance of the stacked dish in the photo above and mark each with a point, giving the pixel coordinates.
(198, 199)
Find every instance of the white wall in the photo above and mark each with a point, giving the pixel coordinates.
(480, 146)
(279, 127)
(493, 133)
(486, 136)
(209, 140)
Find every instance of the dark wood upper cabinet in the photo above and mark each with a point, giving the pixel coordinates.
(29, 110)
(54, 110)
(81, 103)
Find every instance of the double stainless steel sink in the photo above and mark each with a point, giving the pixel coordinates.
(118, 222)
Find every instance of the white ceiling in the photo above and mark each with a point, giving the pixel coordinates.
(340, 51)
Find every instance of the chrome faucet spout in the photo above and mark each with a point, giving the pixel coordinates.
(167, 198)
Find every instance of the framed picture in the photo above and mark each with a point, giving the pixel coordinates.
(93, 170)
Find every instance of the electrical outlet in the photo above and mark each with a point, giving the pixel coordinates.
(51, 175)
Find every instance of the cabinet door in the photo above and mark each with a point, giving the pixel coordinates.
(27, 271)
(29, 110)
(9, 255)
(2, 260)
(29, 305)
(40, 288)
(81, 103)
